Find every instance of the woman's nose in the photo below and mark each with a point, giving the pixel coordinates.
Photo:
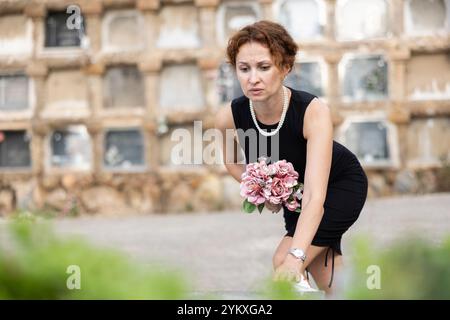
(254, 78)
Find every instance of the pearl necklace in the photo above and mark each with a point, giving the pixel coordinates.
(283, 115)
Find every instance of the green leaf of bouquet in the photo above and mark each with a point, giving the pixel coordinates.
(298, 210)
(248, 206)
(260, 207)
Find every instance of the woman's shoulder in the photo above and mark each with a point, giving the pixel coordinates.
(303, 97)
(224, 117)
(239, 101)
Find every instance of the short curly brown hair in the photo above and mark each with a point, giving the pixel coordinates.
(271, 35)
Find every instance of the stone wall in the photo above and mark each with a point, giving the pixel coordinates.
(154, 66)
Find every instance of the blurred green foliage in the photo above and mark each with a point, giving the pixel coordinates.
(413, 268)
(410, 269)
(283, 290)
(34, 264)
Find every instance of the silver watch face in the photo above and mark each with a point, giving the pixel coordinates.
(298, 253)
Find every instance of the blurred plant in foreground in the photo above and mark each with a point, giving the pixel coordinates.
(412, 268)
(35, 264)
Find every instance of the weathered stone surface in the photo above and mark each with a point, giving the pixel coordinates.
(103, 200)
(7, 201)
(57, 199)
(377, 186)
(178, 27)
(68, 181)
(38, 198)
(207, 3)
(406, 182)
(208, 196)
(91, 7)
(118, 181)
(66, 89)
(180, 85)
(24, 191)
(148, 5)
(428, 181)
(49, 182)
(139, 199)
(231, 189)
(35, 10)
(180, 198)
(94, 69)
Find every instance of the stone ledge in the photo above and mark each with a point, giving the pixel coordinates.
(148, 5)
(185, 117)
(118, 4)
(73, 58)
(428, 108)
(35, 10)
(8, 7)
(89, 7)
(97, 69)
(207, 3)
(399, 114)
(37, 69)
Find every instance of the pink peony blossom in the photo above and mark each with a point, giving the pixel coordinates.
(276, 183)
(292, 205)
(279, 191)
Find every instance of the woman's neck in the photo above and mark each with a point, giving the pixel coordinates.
(270, 110)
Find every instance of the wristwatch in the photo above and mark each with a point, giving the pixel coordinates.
(298, 253)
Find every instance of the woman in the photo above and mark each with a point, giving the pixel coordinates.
(335, 185)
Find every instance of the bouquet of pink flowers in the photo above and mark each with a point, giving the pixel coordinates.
(276, 183)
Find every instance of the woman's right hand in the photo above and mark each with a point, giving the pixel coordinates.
(272, 207)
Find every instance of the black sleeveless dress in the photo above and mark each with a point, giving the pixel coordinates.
(347, 185)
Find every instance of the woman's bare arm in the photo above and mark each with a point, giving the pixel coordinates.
(318, 130)
(230, 148)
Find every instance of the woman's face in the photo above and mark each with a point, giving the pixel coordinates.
(257, 73)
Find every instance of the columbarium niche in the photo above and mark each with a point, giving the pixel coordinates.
(434, 80)
(428, 142)
(306, 76)
(14, 149)
(304, 19)
(179, 27)
(122, 30)
(359, 20)
(228, 86)
(123, 87)
(425, 17)
(13, 92)
(70, 147)
(15, 35)
(63, 30)
(66, 93)
(181, 88)
(123, 149)
(364, 78)
(232, 16)
(369, 140)
(182, 147)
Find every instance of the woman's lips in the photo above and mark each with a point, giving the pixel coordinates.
(255, 91)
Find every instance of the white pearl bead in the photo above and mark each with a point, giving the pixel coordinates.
(283, 116)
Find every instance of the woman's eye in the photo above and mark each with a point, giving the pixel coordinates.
(244, 69)
(265, 68)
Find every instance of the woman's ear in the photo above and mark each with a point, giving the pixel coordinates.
(286, 69)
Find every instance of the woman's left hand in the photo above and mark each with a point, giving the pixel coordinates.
(289, 270)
